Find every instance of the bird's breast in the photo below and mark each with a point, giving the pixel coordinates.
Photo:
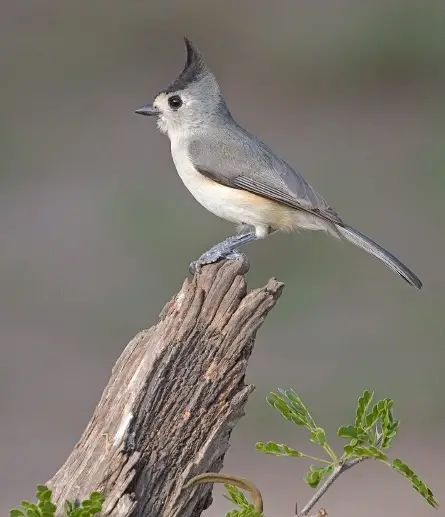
(235, 205)
(217, 198)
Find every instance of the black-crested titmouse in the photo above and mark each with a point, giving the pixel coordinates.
(236, 176)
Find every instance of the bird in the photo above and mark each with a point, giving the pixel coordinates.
(236, 176)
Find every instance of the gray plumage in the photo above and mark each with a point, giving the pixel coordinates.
(216, 159)
(238, 159)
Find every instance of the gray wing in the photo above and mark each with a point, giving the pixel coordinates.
(239, 160)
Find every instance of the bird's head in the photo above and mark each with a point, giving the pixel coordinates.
(192, 100)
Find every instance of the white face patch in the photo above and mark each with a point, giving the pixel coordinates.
(169, 119)
(161, 103)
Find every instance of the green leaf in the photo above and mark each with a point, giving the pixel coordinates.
(47, 506)
(33, 508)
(44, 495)
(348, 449)
(291, 452)
(26, 504)
(286, 409)
(297, 405)
(269, 448)
(362, 407)
(389, 425)
(417, 483)
(236, 496)
(373, 417)
(318, 436)
(360, 451)
(40, 490)
(97, 496)
(316, 474)
(277, 449)
(16, 513)
(312, 479)
(388, 438)
(347, 432)
(95, 508)
(290, 405)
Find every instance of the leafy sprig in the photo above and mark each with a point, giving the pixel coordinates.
(370, 436)
(46, 508)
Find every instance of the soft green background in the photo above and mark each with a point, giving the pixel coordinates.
(97, 230)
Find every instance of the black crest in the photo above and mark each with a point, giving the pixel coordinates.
(193, 70)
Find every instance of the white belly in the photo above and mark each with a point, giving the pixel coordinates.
(237, 206)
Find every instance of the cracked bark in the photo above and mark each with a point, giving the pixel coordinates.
(173, 398)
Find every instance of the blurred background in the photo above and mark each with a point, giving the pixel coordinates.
(97, 230)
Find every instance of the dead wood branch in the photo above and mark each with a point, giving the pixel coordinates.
(174, 396)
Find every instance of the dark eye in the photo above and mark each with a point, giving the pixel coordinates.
(175, 102)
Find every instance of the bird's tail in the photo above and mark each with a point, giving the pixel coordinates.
(373, 248)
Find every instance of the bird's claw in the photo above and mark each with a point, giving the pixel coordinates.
(213, 255)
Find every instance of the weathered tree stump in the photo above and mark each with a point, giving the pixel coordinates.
(174, 396)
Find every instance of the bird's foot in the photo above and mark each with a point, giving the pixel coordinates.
(213, 255)
(227, 249)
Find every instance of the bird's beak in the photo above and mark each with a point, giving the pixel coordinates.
(148, 110)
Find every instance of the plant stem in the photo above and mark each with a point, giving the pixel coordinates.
(338, 470)
(330, 452)
(315, 458)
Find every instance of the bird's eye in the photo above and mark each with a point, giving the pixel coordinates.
(175, 102)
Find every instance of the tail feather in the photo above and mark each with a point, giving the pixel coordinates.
(374, 249)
